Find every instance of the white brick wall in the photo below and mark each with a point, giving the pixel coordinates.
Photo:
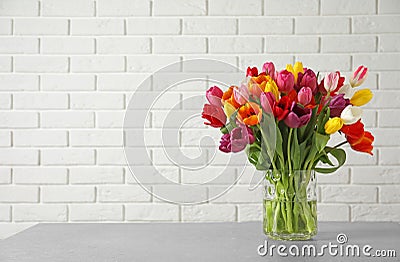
(68, 69)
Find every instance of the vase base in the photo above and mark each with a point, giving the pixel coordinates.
(290, 236)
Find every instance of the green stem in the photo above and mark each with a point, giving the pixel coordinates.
(288, 150)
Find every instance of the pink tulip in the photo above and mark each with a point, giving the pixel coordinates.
(309, 79)
(298, 116)
(269, 69)
(304, 96)
(267, 101)
(214, 95)
(359, 76)
(331, 81)
(285, 81)
(237, 139)
(241, 94)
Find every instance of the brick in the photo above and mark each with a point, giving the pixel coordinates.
(41, 64)
(70, 156)
(179, 7)
(150, 175)
(291, 7)
(70, 45)
(18, 82)
(123, 8)
(98, 26)
(389, 80)
(326, 62)
(388, 118)
(379, 61)
(97, 101)
(341, 176)
(388, 43)
(121, 82)
(388, 7)
(19, 8)
(18, 119)
(322, 25)
(289, 44)
(375, 212)
(375, 175)
(151, 63)
(235, 44)
(235, 7)
(19, 45)
(64, 82)
(96, 175)
(96, 138)
(356, 158)
(280, 60)
(179, 45)
(110, 119)
(209, 175)
(385, 99)
(97, 212)
(5, 64)
(179, 194)
(5, 101)
(115, 156)
(151, 212)
(5, 213)
(40, 213)
(209, 26)
(186, 156)
(5, 26)
(89, 64)
(389, 156)
(249, 212)
(40, 26)
(333, 212)
(72, 194)
(40, 101)
(5, 175)
(343, 7)
(67, 8)
(131, 193)
(14, 156)
(354, 44)
(236, 194)
(126, 45)
(276, 25)
(220, 213)
(5, 138)
(19, 194)
(349, 194)
(375, 24)
(153, 26)
(389, 194)
(39, 175)
(67, 119)
(39, 138)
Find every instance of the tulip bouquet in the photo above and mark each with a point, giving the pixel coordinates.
(284, 120)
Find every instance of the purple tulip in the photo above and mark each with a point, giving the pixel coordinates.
(269, 69)
(285, 81)
(298, 116)
(214, 95)
(309, 79)
(337, 104)
(237, 139)
(304, 96)
(267, 101)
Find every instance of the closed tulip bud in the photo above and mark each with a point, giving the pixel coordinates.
(358, 76)
(269, 69)
(333, 125)
(304, 96)
(361, 97)
(331, 81)
(285, 81)
(214, 95)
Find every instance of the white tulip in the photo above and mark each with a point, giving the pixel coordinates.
(347, 90)
(351, 114)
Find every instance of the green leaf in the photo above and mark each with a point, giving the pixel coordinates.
(320, 141)
(295, 152)
(340, 156)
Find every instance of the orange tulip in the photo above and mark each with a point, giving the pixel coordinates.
(249, 114)
(358, 139)
(228, 97)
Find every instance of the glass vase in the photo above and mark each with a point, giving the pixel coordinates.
(290, 205)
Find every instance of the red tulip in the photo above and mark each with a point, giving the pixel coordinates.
(214, 114)
(358, 139)
(252, 71)
(282, 108)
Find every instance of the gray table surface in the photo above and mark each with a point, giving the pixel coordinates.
(182, 242)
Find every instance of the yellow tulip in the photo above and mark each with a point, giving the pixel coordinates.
(295, 70)
(229, 109)
(333, 125)
(361, 97)
(273, 88)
